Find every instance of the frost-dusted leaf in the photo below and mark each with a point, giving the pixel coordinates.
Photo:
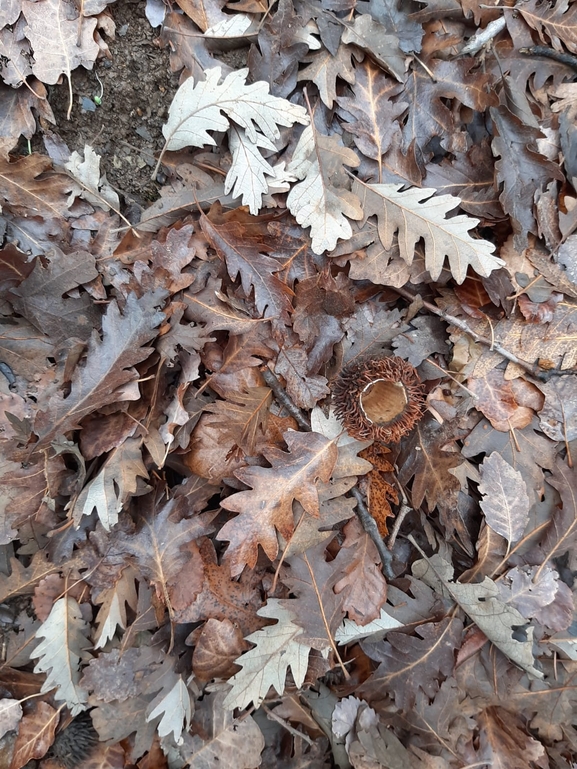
(61, 41)
(277, 648)
(323, 200)
(109, 365)
(419, 213)
(175, 707)
(198, 108)
(221, 740)
(246, 176)
(409, 663)
(59, 654)
(243, 416)
(113, 485)
(351, 631)
(243, 242)
(268, 506)
(506, 503)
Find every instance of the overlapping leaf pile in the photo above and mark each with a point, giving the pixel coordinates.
(181, 555)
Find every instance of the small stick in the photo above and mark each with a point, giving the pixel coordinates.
(283, 398)
(370, 526)
(273, 716)
(404, 510)
(483, 36)
(533, 371)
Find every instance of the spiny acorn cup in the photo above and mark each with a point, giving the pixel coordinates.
(379, 399)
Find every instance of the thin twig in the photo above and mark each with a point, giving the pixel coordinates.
(370, 526)
(534, 371)
(283, 398)
(273, 716)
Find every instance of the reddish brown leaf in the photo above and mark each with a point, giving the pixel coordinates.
(267, 507)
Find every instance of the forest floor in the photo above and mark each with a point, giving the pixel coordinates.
(288, 384)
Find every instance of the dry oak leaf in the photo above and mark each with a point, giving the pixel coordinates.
(482, 602)
(217, 646)
(109, 365)
(24, 193)
(157, 548)
(276, 649)
(198, 108)
(505, 503)
(558, 21)
(35, 734)
(505, 403)
(268, 506)
(371, 36)
(243, 416)
(216, 738)
(375, 114)
(116, 482)
(504, 742)
(209, 307)
(61, 38)
(324, 68)
(419, 213)
(243, 242)
(303, 389)
(322, 201)
(409, 663)
(59, 653)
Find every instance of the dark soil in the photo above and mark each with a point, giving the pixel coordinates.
(126, 130)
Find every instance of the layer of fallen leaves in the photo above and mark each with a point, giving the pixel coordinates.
(181, 558)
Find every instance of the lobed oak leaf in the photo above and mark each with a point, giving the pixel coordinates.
(419, 213)
(208, 306)
(322, 201)
(304, 389)
(157, 548)
(268, 506)
(24, 193)
(40, 297)
(59, 654)
(109, 365)
(116, 482)
(219, 739)
(371, 36)
(375, 114)
(277, 647)
(505, 742)
(243, 416)
(409, 663)
(324, 68)
(61, 39)
(362, 575)
(35, 734)
(242, 242)
(556, 23)
(482, 602)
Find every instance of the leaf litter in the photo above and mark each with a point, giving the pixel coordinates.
(202, 223)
